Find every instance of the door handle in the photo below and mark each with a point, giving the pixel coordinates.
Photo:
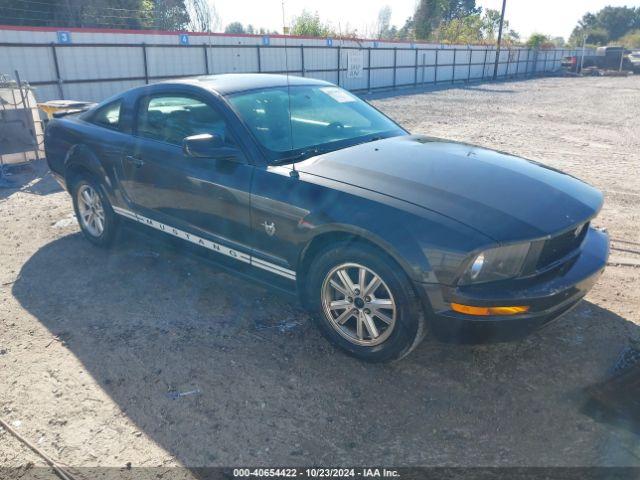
(137, 161)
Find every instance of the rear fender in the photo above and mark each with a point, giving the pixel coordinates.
(81, 159)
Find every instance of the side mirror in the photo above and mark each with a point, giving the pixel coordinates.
(205, 145)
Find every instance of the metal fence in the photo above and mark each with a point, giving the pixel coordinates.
(93, 71)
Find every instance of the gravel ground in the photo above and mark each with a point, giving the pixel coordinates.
(92, 341)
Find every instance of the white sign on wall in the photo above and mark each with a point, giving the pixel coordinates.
(355, 63)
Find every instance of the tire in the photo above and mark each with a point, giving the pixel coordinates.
(394, 339)
(103, 215)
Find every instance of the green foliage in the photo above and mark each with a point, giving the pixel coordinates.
(511, 36)
(407, 32)
(131, 14)
(170, 15)
(631, 39)
(429, 14)
(459, 8)
(491, 24)
(476, 28)
(309, 24)
(234, 27)
(597, 36)
(606, 25)
(467, 29)
(618, 21)
(458, 21)
(539, 40)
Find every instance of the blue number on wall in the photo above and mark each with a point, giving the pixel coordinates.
(184, 39)
(64, 37)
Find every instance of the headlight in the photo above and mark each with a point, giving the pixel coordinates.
(496, 264)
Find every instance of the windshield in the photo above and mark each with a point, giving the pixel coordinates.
(322, 118)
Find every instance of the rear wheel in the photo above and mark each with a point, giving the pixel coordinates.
(93, 211)
(364, 303)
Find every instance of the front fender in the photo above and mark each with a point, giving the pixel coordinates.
(428, 246)
(399, 245)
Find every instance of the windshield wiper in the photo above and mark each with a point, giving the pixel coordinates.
(304, 154)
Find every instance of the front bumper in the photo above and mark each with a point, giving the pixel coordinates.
(548, 296)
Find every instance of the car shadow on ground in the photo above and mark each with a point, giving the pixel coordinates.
(33, 177)
(265, 388)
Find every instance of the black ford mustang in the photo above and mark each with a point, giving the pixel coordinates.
(384, 235)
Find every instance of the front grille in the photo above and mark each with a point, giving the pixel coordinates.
(558, 247)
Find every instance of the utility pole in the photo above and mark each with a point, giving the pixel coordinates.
(495, 67)
(584, 46)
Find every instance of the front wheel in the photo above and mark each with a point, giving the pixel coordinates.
(364, 303)
(93, 211)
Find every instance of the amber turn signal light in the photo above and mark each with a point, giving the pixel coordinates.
(487, 311)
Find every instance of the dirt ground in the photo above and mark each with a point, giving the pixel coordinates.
(93, 343)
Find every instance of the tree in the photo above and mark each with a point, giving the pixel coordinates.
(539, 40)
(134, 14)
(309, 24)
(170, 15)
(459, 9)
(606, 25)
(592, 36)
(476, 28)
(618, 21)
(631, 39)
(234, 27)
(511, 37)
(428, 16)
(491, 24)
(384, 22)
(203, 16)
(407, 32)
(462, 30)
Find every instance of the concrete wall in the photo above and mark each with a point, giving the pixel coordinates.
(99, 63)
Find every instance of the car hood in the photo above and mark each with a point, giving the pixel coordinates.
(505, 197)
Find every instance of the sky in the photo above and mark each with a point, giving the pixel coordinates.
(553, 17)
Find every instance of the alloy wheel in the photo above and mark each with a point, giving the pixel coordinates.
(358, 304)
(91, 210)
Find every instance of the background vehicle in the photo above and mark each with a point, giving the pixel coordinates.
(383, 234)
(634, 60)
(605, 58)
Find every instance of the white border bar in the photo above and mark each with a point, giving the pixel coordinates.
(208, 244)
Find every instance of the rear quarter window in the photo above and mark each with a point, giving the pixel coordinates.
(108, 116)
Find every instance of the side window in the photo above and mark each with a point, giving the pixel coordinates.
(108, 116)
(171, 118)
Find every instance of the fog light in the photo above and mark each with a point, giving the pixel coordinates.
(487, 311)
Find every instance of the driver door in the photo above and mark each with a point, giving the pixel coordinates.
(198, 195)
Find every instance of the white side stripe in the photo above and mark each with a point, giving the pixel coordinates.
(203, 242)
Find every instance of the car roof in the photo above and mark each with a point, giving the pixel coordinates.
(229, 83)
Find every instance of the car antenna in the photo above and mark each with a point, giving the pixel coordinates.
(294, 173)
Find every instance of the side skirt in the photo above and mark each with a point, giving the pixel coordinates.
(208, 244)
